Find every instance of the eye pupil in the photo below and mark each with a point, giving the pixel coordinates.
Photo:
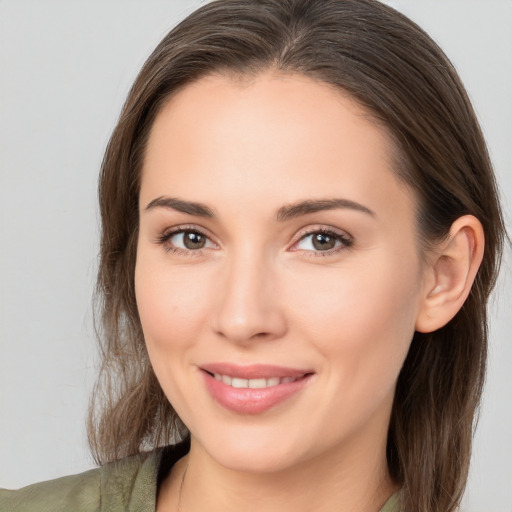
(193, 240)
(323, 242)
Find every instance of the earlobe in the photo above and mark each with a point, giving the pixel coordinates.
(453, 267)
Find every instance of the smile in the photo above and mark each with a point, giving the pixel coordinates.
(237, 382)
(253, 389)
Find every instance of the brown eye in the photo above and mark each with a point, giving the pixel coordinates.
(323, 241)
(193, 240)
(186, 240)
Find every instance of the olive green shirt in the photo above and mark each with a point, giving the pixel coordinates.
(129, 485)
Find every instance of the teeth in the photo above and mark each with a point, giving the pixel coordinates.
(253, 383)
(274, 381)
(258, 383)
(239, 383)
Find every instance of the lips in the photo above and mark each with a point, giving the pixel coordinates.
(253, 389)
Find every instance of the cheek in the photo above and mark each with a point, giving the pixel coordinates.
(361, 316)
(171, 307)
(170, 304)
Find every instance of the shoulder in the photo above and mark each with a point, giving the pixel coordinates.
(78, 492)
(128, 484)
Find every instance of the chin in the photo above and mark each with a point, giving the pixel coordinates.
(254, 461)
(252, 451)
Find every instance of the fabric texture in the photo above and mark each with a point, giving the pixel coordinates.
(128, 485)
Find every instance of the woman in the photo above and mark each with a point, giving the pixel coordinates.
(300, 234)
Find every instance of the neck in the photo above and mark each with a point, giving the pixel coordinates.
(343, 481)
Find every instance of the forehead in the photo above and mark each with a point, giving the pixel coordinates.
(273, 136)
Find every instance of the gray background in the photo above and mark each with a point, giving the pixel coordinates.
(65, 68)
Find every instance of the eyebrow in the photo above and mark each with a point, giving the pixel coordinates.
(316, 205)
(284, 213)
(180, 205)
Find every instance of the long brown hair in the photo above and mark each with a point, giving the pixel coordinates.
(403, 79)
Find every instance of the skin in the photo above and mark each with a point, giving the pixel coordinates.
(260, 292)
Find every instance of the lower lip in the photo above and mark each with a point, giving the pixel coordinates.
(252, 401)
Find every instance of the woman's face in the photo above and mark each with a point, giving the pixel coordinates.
(278, 277)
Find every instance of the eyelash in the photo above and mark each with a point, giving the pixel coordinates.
(164, 238)
(345, 241)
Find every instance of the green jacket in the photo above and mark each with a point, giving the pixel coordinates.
(129, 485)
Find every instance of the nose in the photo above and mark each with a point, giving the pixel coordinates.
(248, 305)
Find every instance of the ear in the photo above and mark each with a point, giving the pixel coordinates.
(451, 271)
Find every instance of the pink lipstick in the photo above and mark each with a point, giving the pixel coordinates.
(253, 389)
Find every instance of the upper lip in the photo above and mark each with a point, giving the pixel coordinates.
(253, 371)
